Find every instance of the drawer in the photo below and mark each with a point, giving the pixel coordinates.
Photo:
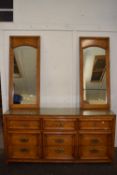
(93, 152)
(95, 139)
(59, 152)
(23, 124)
(59, 124)
(23, 152)
(24, 139)
(95, 124)
(65, 139)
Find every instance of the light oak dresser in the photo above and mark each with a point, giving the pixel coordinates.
(59, 135)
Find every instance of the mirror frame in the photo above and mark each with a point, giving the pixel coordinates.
(101, 42)
(17, 41)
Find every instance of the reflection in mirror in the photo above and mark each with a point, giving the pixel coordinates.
(94, 76)
(24, 78)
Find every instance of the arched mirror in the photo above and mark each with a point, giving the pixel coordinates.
(94, 73)
(24, 72)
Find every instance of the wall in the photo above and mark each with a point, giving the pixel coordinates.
(66, 13)
(60, 24)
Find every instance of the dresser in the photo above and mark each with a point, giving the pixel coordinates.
(59, 135)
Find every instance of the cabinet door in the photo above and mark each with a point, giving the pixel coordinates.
(95, 124)
(95, 153)
(24, 145)
(19, 152)
(59, 124)
(59, 145)
(25, 123)
(95, 139)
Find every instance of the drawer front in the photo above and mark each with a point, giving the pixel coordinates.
(95, 139)
(64, 124)
(93, 152)
(95, 124)
(65, 139)
(24, 139)
(23, 124)
(59, 152)
(23, 152)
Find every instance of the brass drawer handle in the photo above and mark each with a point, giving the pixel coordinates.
(59, 140)
(60, 124)
(24, 139)
(24, 150)
(59, 150)
(94, 141)
(94, 151)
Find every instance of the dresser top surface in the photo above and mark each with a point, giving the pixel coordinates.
(59, 112)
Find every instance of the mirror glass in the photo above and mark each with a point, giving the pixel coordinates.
(94, 75)
(24, 75)
(24, 72)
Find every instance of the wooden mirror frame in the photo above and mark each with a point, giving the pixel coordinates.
(102, 42)
(16, 41)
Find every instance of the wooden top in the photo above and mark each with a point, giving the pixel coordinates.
(60, 111)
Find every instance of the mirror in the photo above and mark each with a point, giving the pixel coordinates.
(94, 73)
(24, 72)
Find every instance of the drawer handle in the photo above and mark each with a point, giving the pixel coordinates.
(59, 141)
(94, 141)
(24, 150)
(94, 151)
(24, 139)
(59, 150)
(60, 124)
